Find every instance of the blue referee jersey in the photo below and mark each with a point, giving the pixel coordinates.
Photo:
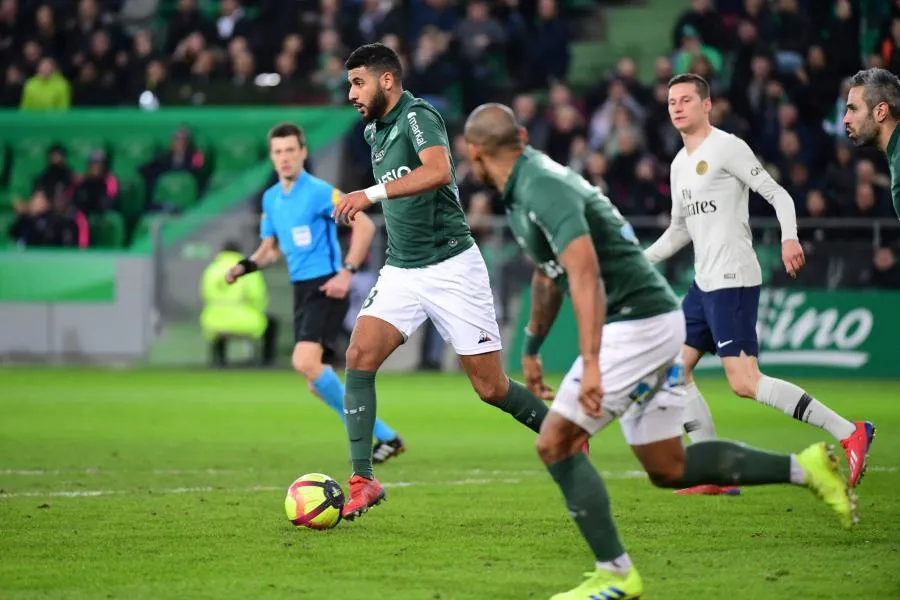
(301, 220)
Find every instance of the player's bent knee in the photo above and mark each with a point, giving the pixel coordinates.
(490, 390)
(361, 358)
(667, 477)
(307, 362)
(559, 439)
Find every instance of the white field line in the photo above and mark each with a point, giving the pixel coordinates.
(269, 488)
(495, 480)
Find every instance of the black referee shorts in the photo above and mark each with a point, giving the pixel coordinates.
(318, 318)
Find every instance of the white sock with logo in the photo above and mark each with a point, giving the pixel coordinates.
(795, 402)
(698, 421)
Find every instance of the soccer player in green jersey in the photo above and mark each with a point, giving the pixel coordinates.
(630, 333)
(433, 270)
(873, 116)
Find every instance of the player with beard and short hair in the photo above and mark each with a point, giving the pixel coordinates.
(873, 116)
(433, 270)
(630, 335)
(711, 178)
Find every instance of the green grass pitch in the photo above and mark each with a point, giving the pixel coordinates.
(170, 484)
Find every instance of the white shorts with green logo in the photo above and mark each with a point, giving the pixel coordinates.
(643, 380)
(455, 294)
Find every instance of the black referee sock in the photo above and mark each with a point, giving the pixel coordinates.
(359, 408)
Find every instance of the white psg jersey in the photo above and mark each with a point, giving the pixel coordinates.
(710, 198)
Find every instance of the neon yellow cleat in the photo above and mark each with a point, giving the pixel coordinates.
(824, 478)
(606, 585)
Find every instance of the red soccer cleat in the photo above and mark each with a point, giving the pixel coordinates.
(710, 490)
(856, 446)
(364, 494)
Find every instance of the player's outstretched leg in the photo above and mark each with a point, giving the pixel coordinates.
(747, 381)
(490, 382)
(722, 463)
(372, 341)
(325, 384)
(698, 423)
(559, 446)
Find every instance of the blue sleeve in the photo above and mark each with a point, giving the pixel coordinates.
(266, 227)
(329, 196)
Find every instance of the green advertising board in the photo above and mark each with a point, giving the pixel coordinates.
(801, 332)
(58, 276)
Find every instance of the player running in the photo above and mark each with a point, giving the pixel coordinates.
(710, 180)
(434, 269)
(873, 116)
(630, 333)
(296, 223)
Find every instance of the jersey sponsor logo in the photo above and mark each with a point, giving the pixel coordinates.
(378, 156)
(701, 207)
(302, 236)
(702, 167)
(395, 174)
(416, 130)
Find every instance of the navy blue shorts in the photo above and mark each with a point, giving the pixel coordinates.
(722, 322)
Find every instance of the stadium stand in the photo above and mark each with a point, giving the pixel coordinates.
(586, 78)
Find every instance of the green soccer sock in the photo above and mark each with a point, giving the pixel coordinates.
(728, 463)
(588, 503)
(359, 407)
(525, 407)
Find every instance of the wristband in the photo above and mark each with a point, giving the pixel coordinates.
(249, 265)
(376, 193)
(532, 343)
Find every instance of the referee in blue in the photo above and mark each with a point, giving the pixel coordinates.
(296, 223)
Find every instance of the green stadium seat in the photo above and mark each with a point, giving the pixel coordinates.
(132, 198)
(177, 189)
(236, 153)
(6, 221)
(107, 230)
(131, 153)
(29, 160)
(80, 150)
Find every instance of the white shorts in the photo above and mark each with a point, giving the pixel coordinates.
(455, 294)
(642, 376)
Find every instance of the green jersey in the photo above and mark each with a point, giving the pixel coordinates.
(893, 157)
(421, 230)
(550, 205)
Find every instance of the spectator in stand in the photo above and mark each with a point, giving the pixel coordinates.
(98, 191)
(58, 178)
(46, 90)
(46, 223)
(703, 19)
(885, 273)
(182, 155)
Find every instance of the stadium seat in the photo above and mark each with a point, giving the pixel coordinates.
(80, 149)
(132, 197)
(107, 230)
(236, 153)
(29, 160)
(176, 189)
(131, 153)
(6, 221)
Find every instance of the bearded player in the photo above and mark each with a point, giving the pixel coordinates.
(630, 335)
(433, 270)
(873, 119)
(710, 179)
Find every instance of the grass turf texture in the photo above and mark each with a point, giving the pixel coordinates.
(170, 484)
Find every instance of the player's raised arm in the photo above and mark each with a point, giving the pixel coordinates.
(676, 236)
(744, 165)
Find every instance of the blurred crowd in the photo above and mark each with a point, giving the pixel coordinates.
(778, 71)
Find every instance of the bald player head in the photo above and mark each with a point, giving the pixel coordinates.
(495, 141)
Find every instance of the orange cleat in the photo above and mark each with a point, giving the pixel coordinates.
(364, 494)
(856, 447)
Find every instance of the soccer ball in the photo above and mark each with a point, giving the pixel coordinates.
(314, 501)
